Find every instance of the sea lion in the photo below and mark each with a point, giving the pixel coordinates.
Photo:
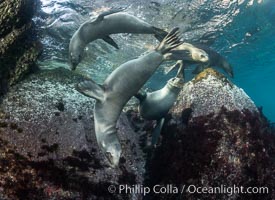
(107, 23)
(155, 105)
(196, 55)
(123, 83)
(215, 59)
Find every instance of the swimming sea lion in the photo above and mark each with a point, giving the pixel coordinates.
(196, 55)
(123, 83)
(215, 59)
(155, 105)
(107, 23)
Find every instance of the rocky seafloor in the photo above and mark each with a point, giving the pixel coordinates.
(213, 135)
(49, 125)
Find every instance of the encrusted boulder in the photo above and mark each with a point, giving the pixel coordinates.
(208, 92)
(215, 137)
(19, 46)
(48, 144)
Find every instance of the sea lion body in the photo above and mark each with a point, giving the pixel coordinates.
(215, 59)
(105, 25)
(123, 83)
(157, 104)
(197, 55)
(119, 87)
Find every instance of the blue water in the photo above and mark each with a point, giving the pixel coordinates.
(241, 30)
(249, 45)
(254, 59)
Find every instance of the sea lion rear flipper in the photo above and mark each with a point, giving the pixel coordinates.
(91, 89)
(157, 130)
(198, 69)
(226, 67)
(110, 41)
(109, 12)
(159, 33)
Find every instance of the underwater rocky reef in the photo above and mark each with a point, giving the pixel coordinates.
(214, 134)
(49, 150)
(18, 48)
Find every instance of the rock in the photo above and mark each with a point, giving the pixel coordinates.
(47, 138)
(225, 142)
(48, 148)
(19, 48)
(203, 101)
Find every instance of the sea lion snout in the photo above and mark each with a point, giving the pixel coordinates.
(111, 148)
(113, 152)
(204, 57)
(74, 61)
(199, 55)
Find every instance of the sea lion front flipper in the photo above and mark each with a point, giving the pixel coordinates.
(159, 33)
(110, 41)
(198, 69)
(91, 89)
(179, 64)
(109, 12)
(157, 130)
(170, 42)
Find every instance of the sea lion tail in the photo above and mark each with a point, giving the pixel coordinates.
(170, 41)
(159, 33)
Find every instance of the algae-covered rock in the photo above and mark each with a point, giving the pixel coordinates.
(225, 143)
(48, 130)
(208, 92)
(49, 151)
(19, 47)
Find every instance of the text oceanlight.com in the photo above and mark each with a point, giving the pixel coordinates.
(191, 189)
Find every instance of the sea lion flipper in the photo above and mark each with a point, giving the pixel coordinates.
(110, 41)
(91, 89)
(178, 64)
(159, 33)
(170, 42)
(109, 12)
(198, 69)
(157, 130)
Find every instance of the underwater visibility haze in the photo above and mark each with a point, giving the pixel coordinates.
(241, 31)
